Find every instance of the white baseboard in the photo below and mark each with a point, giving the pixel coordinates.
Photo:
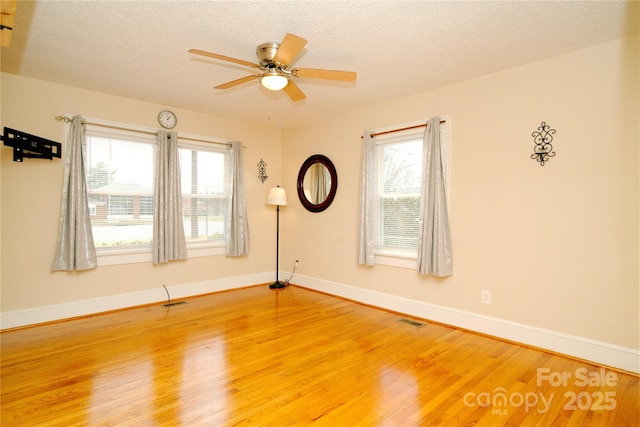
(49, 313)
(582, 348)
(597, 352)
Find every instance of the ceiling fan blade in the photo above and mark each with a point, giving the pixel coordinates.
(289, 48)
(294, 92)
(315, 73)
(236, 82)
(7, 18)
(222, 57)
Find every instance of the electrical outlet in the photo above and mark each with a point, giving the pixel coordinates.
(486, 296)
(296, 263)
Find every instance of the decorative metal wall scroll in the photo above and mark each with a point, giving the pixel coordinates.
(262, 171)
(542, 137)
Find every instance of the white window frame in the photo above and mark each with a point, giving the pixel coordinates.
(125, 131)
(402, 259)
(204, 248)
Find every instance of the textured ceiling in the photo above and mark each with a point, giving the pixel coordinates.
(139, 48)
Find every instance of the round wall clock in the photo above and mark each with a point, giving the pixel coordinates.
(167, 119)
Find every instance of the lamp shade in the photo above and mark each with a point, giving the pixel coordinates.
(273, 80)
(277, 196)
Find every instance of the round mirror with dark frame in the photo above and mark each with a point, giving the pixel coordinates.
(317, 183)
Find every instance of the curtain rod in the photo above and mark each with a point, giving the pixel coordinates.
(68, 120)
(423, 125)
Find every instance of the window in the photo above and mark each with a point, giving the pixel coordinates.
(120, 185)
(398, 186)
(398, 174)
(204, 201)
(120, 175)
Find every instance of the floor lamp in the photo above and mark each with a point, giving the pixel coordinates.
(278, 197)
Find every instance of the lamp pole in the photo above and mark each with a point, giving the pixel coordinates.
(277, 284)
(277, 196)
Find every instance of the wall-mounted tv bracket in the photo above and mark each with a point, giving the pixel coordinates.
(30, 146)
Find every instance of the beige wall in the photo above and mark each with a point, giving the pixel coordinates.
(557, 245)
(31, 198)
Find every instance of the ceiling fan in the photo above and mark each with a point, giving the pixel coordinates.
(7, 17)
(275, 59)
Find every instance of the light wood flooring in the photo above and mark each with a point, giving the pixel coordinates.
(293, 357)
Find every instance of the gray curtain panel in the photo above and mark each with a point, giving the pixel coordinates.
(434, 245)
(366, 223)
(169, 242)
(76, 250)
(237, 225)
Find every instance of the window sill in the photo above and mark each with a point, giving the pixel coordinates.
(138, 256)
(397, 260)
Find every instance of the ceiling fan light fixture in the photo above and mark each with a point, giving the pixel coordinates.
(274, 73)
(273, 80)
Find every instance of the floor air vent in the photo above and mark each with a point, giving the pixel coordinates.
(412, 323)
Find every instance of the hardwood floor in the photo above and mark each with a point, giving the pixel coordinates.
(292, 357)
